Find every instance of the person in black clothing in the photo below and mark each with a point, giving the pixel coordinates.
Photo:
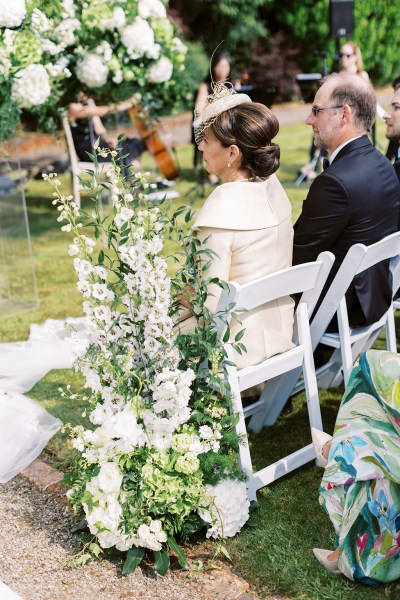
(355, 200)
(86, 126)
(392, 119)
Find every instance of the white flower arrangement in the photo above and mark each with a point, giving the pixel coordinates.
(105, 47)
(153, 456)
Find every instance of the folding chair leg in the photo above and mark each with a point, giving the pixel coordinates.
(76, 190)
(244, 450)
(391, 342)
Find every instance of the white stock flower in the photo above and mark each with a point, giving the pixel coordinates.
(92, 71)
(123, 216)
(227, 510)
(69, 7)
(151, 8)
(12, 13)
(138, 38)
(161, 71)
(31, 86)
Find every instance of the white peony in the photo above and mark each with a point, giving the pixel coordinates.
(110, 478)
(151, 8)
(92, 71)
(228, 509)
(161, 71)
(31, 86)
(12, 13)
(138, 38)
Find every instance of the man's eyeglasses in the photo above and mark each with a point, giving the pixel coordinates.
(343, 54)
(315, 110)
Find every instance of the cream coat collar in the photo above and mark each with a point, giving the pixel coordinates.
(245, 206)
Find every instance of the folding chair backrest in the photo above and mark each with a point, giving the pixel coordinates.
(307, 279)
(358, 259)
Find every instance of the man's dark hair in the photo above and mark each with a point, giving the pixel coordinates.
(396, 83)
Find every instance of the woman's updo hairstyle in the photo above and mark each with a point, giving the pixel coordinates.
(251, 127)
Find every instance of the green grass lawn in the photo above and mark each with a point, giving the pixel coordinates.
(274, 554)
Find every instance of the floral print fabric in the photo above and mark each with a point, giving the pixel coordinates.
(360, 489)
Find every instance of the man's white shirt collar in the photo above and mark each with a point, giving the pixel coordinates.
(338, 149)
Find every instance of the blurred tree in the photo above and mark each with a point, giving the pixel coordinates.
(236, 23)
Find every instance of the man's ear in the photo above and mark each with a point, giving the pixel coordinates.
(347, 113)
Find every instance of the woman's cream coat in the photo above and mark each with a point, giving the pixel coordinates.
(249, 227)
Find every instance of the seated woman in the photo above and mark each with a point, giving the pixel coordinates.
(246, 221)
(360, 488)
(84, 117)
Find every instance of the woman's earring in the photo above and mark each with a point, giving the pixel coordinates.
(228, 164)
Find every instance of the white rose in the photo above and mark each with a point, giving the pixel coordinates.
(110, 478)
(161, 71)
(12, 13)
(31, 86)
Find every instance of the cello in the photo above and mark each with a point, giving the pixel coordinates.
(148, 132)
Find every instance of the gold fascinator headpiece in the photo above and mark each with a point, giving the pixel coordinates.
(223, 98)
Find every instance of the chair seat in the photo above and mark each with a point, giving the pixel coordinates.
(356, 333)
(271, 367)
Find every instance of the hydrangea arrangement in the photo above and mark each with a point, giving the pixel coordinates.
(160, 459)
(52, 49)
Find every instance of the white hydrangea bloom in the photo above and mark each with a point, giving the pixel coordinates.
(161, 71)
(68, 7)
(40, 22)
(65, 32)
(12, 13)
(116, 21)
(92, 71)
(228, 509)
(151, 8)
(31, 86)
(138, 38)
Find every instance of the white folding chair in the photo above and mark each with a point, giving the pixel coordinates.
(78, 167)
(348, 343)
(293, 280)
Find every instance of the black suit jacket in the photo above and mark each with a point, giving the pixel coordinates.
(355, 200)
(397, 168)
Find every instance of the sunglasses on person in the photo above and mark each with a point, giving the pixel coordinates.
(343, 54)
(315, 110)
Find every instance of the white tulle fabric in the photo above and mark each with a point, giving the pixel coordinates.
(25, 427)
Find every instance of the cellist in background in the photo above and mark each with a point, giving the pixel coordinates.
(84, 117)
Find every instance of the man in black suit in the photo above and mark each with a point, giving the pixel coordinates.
(357, 197)
(392, 118)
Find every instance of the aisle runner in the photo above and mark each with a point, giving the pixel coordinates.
(7, 594)
(25, 427)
